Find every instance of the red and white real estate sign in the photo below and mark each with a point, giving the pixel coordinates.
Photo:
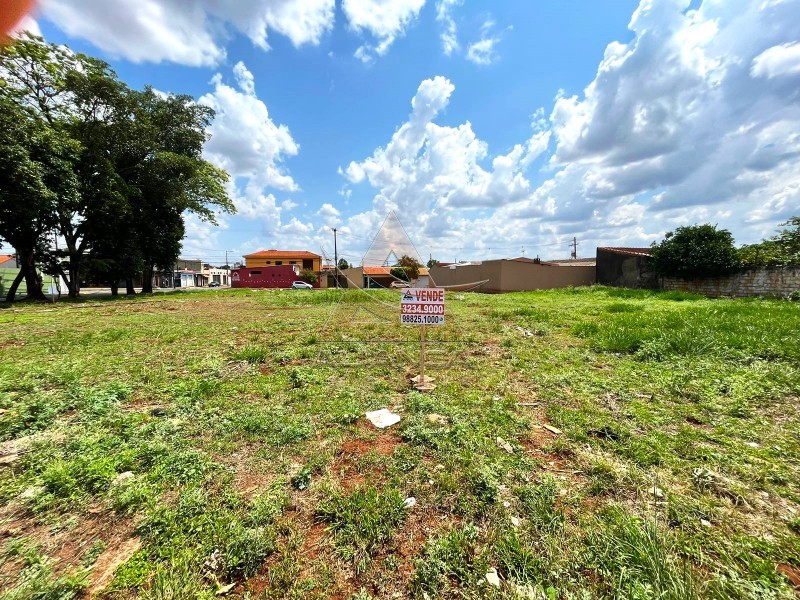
(422, 306)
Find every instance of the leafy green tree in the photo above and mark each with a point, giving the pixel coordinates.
(79, 99)
(399, 273)
(695, 251)
(779, 250)
(139, 165)
(432, 263)
(171, 176)
(35, 174)
(343, 264)
(407, 268)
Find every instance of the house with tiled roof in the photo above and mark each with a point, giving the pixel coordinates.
(378, 277)
(305, 261)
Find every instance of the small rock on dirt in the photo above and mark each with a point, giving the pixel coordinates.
(515, 521)
(656, 491)
(224, 589)
(8, 460)
(31, 492)
(492, 578)
(505, 445)
(122, 478)
(553, 430)
(410, 502)
(158, 411)
(437, 419)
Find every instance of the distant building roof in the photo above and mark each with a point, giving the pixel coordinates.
(627, 250)
(282, 254)
(386, 271)
(572, 262)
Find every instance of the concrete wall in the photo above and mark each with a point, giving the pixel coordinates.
(625, 270)
(777, 281)
(355, 277)
(512, 276)
(267, 277)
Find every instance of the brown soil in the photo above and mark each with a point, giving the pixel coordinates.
(248, 483)
(348, 464)
(67, 545)
(111, 558)
(792, 574)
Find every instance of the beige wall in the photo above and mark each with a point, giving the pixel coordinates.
(511, 276)
(355, 276)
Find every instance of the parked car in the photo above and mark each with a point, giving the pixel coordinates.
(400, 284)
(213, 284)
(302, 285)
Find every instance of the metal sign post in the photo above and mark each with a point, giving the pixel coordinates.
(422, 306)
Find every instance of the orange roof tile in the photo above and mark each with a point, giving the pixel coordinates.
(628, 250)
(282, 254)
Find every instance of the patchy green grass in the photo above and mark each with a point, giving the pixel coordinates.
(580, 443)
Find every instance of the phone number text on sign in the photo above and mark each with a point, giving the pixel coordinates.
(422, 319)
(422, 309)
(422, 306)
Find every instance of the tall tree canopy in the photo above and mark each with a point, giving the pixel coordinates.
(36, 172)
(134, 157)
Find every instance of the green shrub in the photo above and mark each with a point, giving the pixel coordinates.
(695, 251)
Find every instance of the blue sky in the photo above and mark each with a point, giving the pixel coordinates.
(532, 122)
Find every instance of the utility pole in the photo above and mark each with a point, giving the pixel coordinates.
(574, 244)
(335, 259)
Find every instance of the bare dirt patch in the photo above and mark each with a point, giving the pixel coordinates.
(68, 542)
(349, 465)
(111, 558)
(792, 573)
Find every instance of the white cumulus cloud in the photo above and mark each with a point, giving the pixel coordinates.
(245, 141)
(385, 20)
(191, 33)
(695, 119)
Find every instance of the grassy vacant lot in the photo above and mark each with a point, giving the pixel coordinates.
(203, 443)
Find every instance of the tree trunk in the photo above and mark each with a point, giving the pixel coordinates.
(33, 281)
(74, 279)
(114, 285)
(12, 291)
(147, 280)
(129, 291)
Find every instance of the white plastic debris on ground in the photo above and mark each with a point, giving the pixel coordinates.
(383, 418)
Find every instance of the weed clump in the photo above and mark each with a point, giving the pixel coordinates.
(362, 521)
